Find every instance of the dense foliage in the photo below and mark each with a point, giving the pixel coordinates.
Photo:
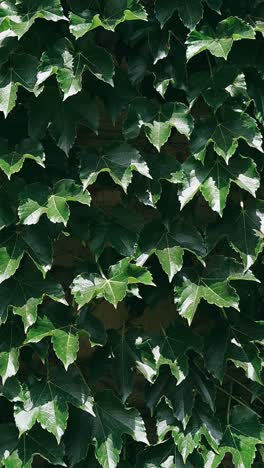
(132, 227)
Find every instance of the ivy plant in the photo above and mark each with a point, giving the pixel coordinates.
(131, 233)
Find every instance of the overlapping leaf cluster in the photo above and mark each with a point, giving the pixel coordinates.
(131, 233)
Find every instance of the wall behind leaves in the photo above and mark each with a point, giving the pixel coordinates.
(132, 226)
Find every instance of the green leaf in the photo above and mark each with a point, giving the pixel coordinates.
(202, 423)
(19, 17)
(8, 440)
(118, 159)
(36, 442)
(11, 253)
(60, 327)
(171, 349)
(243, 227)
(166, 455)
(11, 339)
(214, 87)
(241, 436)
(22, 71)
(220, 42)
(105, 430)
(61, 60)
(168, 241)
(114, 287)
(89, 325)
(37, 199)
(124, 361)
(214, 177)
(157, 121)
(224, 130)
(190, 14)
(216, 351)
(211, 284)
(108, 16)
(62, 118)
(255, 91)
(12, 161)
(46, 402)
(97, 60)
(25, 291)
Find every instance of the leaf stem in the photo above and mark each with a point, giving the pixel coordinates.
(229, 403)
(242, 403)
(245, 387)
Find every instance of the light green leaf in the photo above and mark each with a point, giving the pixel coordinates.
(108, 15)
(12, 161)
(211, 284)
(114, 287)
(46, 402)
(214, 177)
(241, 435)
(37, 199)
(21, 72)
(220, 42)
(19, 17)
(58, 325)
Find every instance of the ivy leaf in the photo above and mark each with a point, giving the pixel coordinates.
(46, 402)
(11, 253)
(34, 241)
(20, 17)
(214, 177)
(89, 325)
(190, 15)
(12, 337)
(123, 363)
(202, 423)
(36, 442)
(255, 91)
(62, 118)
(12, 161)
(157, 121)
(224, 130)
(220, 42)
(243, 228)
(216, 351)
(215, 88)
(242, 433)
(168, 241)
(97, 60)
(60, 60)
(21, 72)
(164, 10)
(118, 159)
(58, 324)
(211, 284)
(8, 440)
(171, 349)
(108, 16)
(105, 430)
(37, 199)
(85, 287)
(25, 291)
(165, 455)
